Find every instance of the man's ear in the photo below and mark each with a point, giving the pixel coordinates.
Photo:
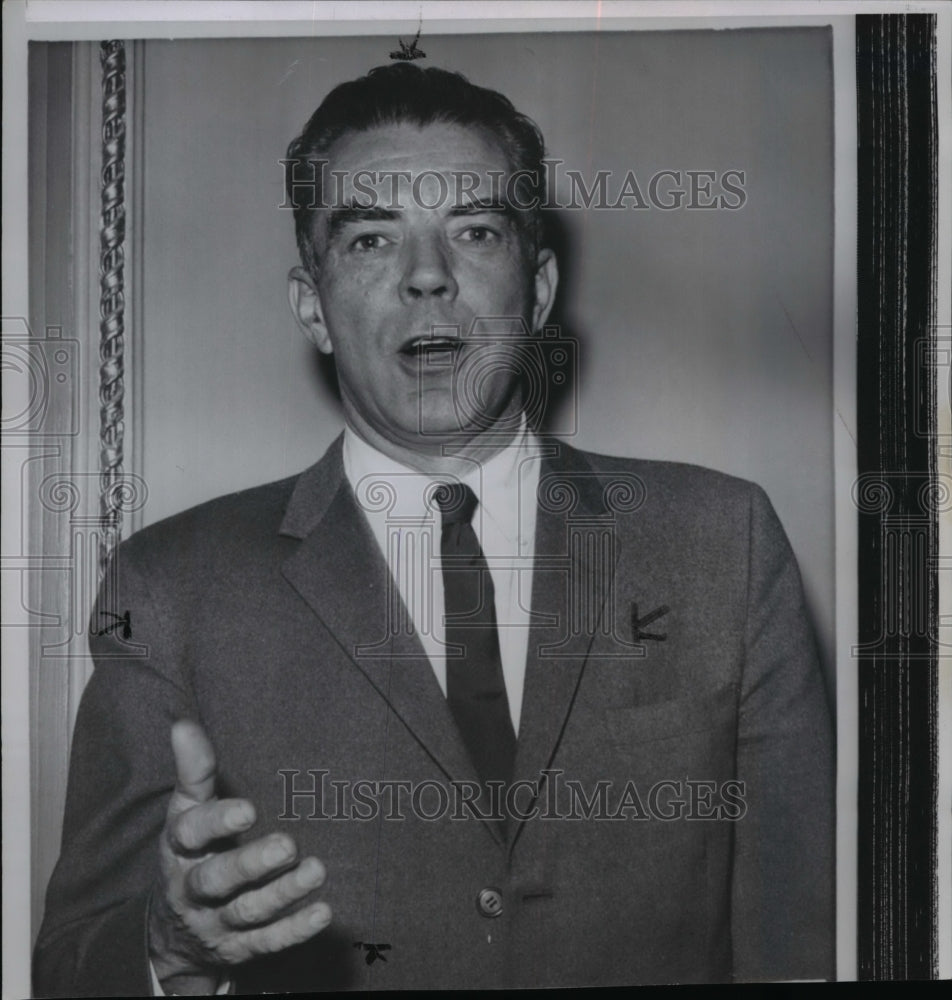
(305, 303)
(546, 282)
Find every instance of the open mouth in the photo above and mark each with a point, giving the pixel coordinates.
(432, 350)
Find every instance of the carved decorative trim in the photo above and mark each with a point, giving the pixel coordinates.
(111, 296)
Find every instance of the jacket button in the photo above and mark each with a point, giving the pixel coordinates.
(489, 902)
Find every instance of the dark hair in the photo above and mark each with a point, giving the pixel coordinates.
(404, 93)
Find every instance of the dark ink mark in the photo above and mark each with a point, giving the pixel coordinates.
(125, 622)
(540, 894)
(373, 951)
(638, 623)
(409, 52)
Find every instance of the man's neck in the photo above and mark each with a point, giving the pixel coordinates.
(452, 457)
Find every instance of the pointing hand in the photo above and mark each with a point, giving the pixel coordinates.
(214, 905)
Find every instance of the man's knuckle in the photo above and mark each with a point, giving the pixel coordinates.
(200, 881)
(247, 864)
(179, 832)
(278, 936)
(246, 909)
(251, 943)
(285, 890)
(233, 950)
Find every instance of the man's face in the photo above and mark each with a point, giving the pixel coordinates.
(438, 249)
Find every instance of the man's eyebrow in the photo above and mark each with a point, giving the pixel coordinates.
(477, 206)
(355, 212)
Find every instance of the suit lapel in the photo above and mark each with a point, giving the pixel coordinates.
(339, 571)
(575, 554)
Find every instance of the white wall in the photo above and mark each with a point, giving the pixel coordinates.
(706, 336)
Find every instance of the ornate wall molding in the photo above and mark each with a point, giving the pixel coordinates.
(112, 295)
(85, 273)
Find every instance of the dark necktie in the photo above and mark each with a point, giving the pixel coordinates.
(475, 689)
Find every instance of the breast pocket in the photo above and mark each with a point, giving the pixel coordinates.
(680, 718)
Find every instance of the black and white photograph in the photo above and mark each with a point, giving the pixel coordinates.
(476, 492)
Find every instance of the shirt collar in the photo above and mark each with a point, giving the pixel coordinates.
(500, 483)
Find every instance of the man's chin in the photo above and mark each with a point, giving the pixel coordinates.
(450, 435)
(467, 410)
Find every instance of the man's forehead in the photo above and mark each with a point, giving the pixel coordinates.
(469, 157)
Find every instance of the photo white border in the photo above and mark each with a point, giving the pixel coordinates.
(54, 20)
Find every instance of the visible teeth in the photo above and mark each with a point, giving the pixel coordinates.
(437, 342)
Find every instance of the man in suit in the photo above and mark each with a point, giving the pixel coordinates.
(460, 705)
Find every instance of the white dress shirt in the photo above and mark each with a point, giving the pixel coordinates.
(406, 523)
(223, 988)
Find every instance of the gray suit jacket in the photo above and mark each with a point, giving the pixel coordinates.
(264, 614)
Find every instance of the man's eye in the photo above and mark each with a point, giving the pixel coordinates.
(369, 241)
(479, 234)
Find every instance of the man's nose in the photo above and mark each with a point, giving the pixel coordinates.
(427, 271)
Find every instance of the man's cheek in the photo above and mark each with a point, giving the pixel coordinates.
(343, 268)
(493, 297)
